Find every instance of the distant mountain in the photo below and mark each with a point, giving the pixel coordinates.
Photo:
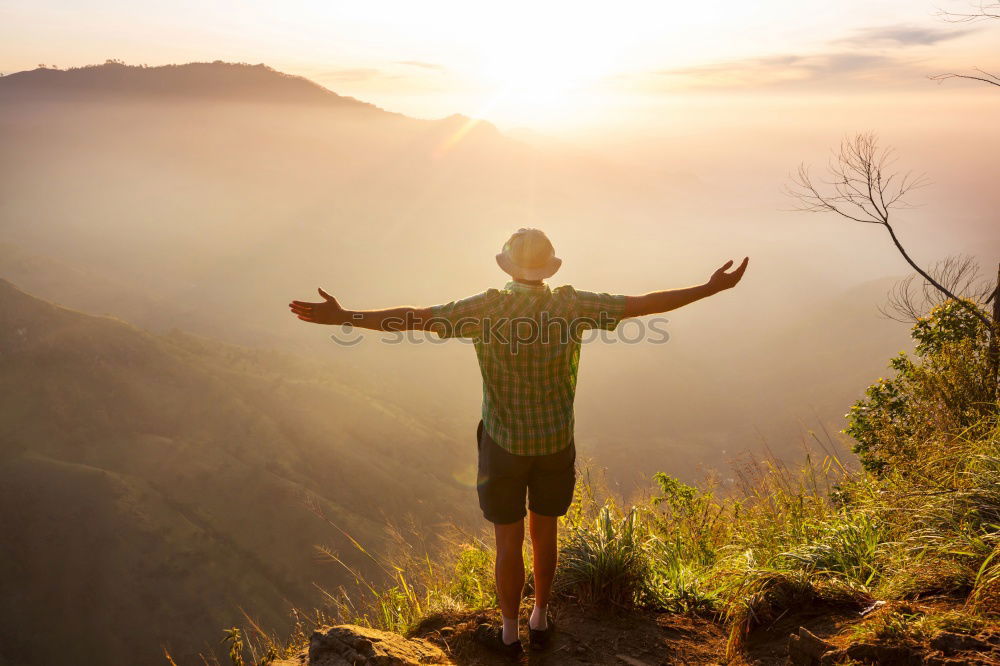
(152, 486)
(199, 80)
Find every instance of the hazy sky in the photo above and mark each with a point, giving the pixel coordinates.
(523, 63)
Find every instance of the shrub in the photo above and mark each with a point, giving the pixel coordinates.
(606, 559)
(948, 389)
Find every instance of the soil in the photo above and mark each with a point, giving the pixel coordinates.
(589, 636)
(603, 635)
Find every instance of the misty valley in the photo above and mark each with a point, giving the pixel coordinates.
(177, 451)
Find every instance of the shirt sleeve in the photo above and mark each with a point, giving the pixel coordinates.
(599, 310)
(462, 318)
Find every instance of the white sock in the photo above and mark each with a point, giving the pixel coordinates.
(510, 629)
(539, 620)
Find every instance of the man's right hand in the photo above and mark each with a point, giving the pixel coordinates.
(326, 312)
(722, 280)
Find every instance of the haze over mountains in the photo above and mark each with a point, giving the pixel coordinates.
(135, 192)
(202, 198)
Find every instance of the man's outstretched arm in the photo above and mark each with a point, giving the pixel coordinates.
(328, 311)
(664, 301)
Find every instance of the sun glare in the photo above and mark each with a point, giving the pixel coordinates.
(536, 73)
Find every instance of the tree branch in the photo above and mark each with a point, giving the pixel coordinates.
(984, 77)
(861, 189)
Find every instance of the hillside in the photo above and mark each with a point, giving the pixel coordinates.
(151, 486)
(216, 81)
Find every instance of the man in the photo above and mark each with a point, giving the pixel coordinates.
(527, 339)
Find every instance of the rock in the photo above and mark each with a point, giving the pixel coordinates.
(350, 645)
(806, 648)
(868, 653)
(950, 643)
(873, 607)
(833, 657)
(796, 653)
(934, 660)
(890, 655)
(631, 661)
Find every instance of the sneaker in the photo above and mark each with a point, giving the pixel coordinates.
(539, 639)
(492, 638)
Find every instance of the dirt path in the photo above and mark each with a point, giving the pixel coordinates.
(606, 635)
(590, 636)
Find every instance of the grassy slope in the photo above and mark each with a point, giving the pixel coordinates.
(892, 562)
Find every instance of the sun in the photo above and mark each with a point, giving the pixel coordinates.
(536, 79)
(540, 76)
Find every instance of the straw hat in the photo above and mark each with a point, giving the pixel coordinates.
(529, 255)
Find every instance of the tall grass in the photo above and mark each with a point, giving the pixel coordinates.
(606, 559)
(821, 534)
(786, 538)
(783, 539)
(415, 584)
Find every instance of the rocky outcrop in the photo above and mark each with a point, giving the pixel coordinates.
(350, 645)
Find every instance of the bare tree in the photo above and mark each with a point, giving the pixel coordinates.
(910, 298)
(862, 186)
(981, 75)
(982, 10)
(978, 11)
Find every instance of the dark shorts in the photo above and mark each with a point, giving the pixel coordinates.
(504, 479)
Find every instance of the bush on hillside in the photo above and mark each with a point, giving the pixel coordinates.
(947, 389)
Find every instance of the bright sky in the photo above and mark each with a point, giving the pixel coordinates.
(519, 63)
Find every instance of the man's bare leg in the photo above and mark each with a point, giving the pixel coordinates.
(510, 575)
(545, 551)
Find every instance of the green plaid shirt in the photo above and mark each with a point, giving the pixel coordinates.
(527, 338)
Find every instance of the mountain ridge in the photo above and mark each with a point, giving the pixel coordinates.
(205, 79)
(193, 81)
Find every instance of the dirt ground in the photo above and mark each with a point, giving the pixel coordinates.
(590, 636)
(606, 635)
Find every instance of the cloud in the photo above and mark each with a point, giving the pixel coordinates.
(869, 57)
(423, 65)
(352, 74)
(824, 69)
(380, 77)
(903, 35)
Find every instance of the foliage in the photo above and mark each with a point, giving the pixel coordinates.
(948, 388)
(904, 622)
(606, 559)
(234, 637)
